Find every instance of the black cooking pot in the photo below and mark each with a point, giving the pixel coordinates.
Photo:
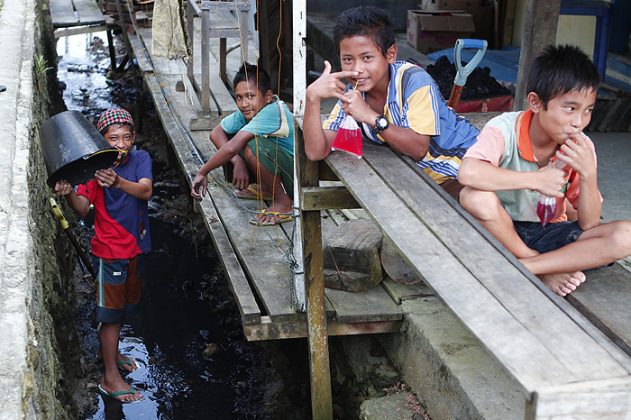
(73, 149)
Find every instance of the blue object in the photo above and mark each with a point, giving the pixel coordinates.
(463, 72)
(503, 63)
(599, 9)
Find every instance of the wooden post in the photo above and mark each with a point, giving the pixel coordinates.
(540, 29)
(205, 59)
(190, 21)
(307, 176)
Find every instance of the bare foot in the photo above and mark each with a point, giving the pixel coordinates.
(564, 283)
(119, 390)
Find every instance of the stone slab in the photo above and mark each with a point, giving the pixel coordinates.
(447, 369)
(400, 406)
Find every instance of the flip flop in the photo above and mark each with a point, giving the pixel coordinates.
(280, 218)
(113, 395)
(251, 193)
(126, 360)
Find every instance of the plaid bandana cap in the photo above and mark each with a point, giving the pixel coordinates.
(114, 116)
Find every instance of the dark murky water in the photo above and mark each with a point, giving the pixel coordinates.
(194, 362)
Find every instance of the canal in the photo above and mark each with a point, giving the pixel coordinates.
(194, 362)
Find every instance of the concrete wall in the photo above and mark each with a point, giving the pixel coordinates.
(34, 299)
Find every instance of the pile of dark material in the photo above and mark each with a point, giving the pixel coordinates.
(480, 84)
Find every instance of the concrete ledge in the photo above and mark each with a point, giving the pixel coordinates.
(447, 369)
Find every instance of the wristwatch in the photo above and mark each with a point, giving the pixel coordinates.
(381, 123)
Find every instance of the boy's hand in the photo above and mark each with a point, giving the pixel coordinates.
(550, 181)
(106, 178)
(240, 175)
(199, 188)
(355, 106)
(329, 85)
(62, 188)
(580, 155)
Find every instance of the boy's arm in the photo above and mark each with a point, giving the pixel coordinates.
(403, 140)
(485, 176)
(108, 178)
(223, 155)
(240, 177)
(80, 204)
(328, 85)
(580, 155)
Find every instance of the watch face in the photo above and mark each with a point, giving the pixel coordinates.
(381, 123)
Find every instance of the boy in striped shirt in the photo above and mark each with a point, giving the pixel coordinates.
(395, 102)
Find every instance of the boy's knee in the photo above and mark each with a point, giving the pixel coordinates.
(483, 205)
(621, 237)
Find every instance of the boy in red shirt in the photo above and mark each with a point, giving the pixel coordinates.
(121, 223)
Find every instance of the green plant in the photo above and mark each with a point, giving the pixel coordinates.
(41, 65)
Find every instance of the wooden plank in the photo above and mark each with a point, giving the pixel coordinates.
(248, 308)
(140, 52)
(604, 300)
(606, 399)
(528, 359)
(77, 30)
(274, 330)
(261, 250)
(486, 259)
(62, 13)
(400, 292)
(323, 198)
(89, 12)
(367, 306)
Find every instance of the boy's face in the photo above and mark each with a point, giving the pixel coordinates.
(566, 115)
(361, 54)
(120, 136)
(250, 99)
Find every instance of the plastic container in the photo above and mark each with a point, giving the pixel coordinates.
(73, 149)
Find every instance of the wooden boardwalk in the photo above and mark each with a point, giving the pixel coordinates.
(68, 13)
(572, 358)
(256, 259)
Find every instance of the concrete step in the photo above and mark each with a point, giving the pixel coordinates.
(445, 366)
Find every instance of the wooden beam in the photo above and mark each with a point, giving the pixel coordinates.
(540, 29)
(269, 330)
(326, 198)
(326, 173)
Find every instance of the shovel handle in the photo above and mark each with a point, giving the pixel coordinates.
(462, 72)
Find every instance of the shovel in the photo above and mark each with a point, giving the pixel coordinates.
(463, 72)
(65, 226)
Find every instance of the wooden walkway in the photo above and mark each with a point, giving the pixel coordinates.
(256, 259)
(572, 358)
(68, 13)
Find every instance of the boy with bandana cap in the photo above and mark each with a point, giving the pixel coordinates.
(121, 224)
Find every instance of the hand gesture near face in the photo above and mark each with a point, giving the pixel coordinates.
(578, 153)
(329, 85)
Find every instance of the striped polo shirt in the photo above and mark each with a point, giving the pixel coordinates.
(414, 101)
(505, 142)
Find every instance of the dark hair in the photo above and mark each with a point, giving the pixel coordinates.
(368, 21)
(559, 70)
(252, 73)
